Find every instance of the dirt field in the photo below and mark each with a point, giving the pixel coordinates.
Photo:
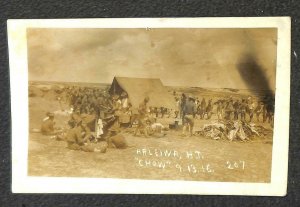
(170, 158)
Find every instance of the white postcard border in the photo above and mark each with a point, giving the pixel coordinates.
(22, 183)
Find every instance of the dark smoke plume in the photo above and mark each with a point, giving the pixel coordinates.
(254, 75)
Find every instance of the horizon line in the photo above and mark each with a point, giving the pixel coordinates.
(153, 78)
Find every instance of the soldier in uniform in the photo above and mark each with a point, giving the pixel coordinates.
(47, 126)
(220, 110)
(259, 110)
(182, 105)
(202, 108)
(142, 117)
(243, 109)
(178, 108)
(208, 110)
(189, 111)
(236, 107)
(250, 106)
(74, 118)
(78, 136)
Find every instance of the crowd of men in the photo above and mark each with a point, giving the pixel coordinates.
(189, 108)
(109, 112)
(229, 109)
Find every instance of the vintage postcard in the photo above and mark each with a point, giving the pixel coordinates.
(150, 105)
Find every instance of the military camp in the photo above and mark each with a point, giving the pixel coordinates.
(148, 128)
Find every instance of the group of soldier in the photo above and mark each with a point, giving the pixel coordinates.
(86, 104)
(228, 109)
(87, 100)
(109, 109)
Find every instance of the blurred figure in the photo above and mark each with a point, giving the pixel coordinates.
(220, 110)
(142, 118)
(251, 107)
(208, 110)
(178, 108)
(189, 111)
(236, 108)
(202, 108)
(182, 106)
(259, 110)
(47, 126)
(243, 109)
(229, 109)
(78, 136)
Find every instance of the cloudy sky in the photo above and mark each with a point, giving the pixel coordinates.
(180, 57)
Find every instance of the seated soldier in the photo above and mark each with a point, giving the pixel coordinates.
(47, 127)
(117, 141)
(74, 118)
(78, 136)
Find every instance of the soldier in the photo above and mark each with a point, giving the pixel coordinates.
(270, 112)
(220, 110)
(259, 110)
(189, 111)
(117, 109)
(78, 136)
(243, 109)
(182, 105)
(47, 127)
(202, 108)
(124, 101)
(250, 106)
(74, 118)
(236, 107)
(229, 109)
(208, 110)
(142, 117)
(178, 108)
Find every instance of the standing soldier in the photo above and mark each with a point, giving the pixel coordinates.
(236, 107)
(142, 117)
(202, 108)
(229, 109)
(182, 102)
(189, 109)
(259, 110)
(220, 110)
(178, 108)
(116, 108)
(270, 112)
(243, 109)
(208, 110)
(251, 107)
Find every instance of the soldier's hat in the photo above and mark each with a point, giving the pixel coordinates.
(147, 98)
(123, 94)
(50, 114)
(191, 97)
(115, 97)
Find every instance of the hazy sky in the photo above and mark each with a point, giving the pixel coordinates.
(181, 57)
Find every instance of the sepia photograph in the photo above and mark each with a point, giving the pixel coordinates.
(150, 103)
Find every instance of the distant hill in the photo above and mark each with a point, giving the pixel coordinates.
(216, 92)
(83, 84)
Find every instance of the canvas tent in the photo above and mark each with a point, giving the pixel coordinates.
(138, 88)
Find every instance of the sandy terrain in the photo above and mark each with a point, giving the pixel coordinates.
(171, 158)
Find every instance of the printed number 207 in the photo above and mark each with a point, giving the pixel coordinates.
(235, 165)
